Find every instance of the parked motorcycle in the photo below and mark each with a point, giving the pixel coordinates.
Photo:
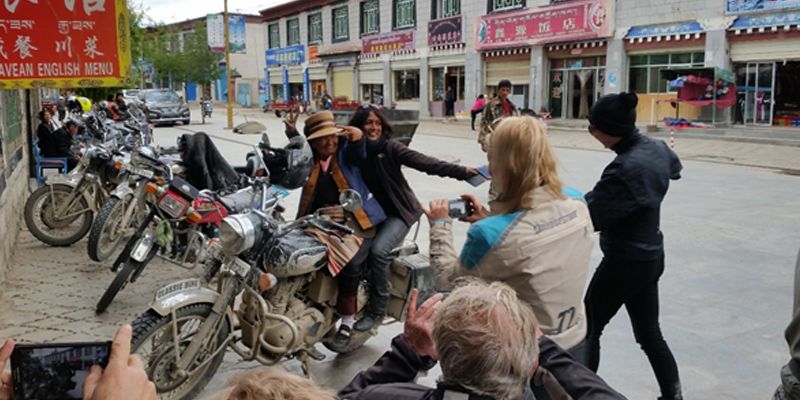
(180, 226)
(126, 205)
(287, 301)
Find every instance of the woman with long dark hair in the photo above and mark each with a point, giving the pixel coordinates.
(382, 173)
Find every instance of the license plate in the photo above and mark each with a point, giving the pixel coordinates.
(143, 172)
(171, 206)
(142, 248)
(177, 287)
(239, 267)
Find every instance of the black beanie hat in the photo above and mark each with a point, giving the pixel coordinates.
(615, 114)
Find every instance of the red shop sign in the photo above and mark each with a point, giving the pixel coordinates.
(388, 42)
(578, 20)
(64, 43)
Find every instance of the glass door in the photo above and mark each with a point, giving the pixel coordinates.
(759, 97)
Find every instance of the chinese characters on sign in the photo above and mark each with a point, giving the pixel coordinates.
(578, 20)
(403, 40)
(444, 31)
(63, 43)
(286, 55)
(215, 29)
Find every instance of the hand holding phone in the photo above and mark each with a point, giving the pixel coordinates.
(6, 386)
(459, 208)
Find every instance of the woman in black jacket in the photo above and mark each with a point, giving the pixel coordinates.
(382, 174)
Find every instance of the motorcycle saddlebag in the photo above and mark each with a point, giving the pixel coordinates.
(408, 272)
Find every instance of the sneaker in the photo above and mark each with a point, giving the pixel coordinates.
(367, 322)
(342, 337)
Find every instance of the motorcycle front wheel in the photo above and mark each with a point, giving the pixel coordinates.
(154, 341)
(107, 230)
(132, 268)
(52, 221)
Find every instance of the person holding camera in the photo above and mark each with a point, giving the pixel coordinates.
(381, 170)
(535, 239)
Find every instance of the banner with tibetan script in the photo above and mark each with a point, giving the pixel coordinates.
(444, 31)
(64, 43)
(577, 20)
(388, 42)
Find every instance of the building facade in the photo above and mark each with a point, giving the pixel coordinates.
(559, 55)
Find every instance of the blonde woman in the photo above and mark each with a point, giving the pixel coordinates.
(271, 383)
(534, 239)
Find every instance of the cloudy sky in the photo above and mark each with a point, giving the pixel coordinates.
(168, 11)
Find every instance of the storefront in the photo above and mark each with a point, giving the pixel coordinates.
(576, 72)
(371, 78)
(576, 78)
(284, 66)
(765, 51)
(446, 65)
(404, 66)
(654, 48)
(513, 65)
(340, 64)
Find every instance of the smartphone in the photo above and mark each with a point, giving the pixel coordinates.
(459, 208)
(54, 370)
(482, 176)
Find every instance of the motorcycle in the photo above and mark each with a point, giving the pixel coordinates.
(61, 212)
(287, 301)
(126, 205)
(181, 224)
(206, 108)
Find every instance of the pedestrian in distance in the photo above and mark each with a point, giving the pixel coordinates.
(625, 206)
(449, 102)
(497, 108)
(477, 108)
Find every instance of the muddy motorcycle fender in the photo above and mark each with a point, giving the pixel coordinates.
(123, 189)
(72, 180)
(180, 294)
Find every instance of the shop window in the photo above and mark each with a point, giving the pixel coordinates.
(292, 31)
(442, 78)
(505, 5)
(370, 17)
(405, 14)
(406, 84)
(315, 28)
(644, 75)
(341, 26)
(274, 37)
(445, 8)
(372, 93)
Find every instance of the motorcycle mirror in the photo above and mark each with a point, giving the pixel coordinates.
(350, 200)
(265, 140)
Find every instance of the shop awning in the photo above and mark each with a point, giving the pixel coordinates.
(665, 32)
(765, 23)
(576, 45)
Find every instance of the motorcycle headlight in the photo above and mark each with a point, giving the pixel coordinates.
(239, 232)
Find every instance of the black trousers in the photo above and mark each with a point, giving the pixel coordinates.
(349, 278)
(634, 284)
(474, 114)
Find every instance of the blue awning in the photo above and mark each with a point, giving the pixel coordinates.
(766, 22)
(667, 32)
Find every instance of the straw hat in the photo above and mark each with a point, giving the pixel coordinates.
(320, 125)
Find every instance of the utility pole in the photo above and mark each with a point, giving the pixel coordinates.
(228, 80)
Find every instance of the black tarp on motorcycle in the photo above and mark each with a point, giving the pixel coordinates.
(206, 168)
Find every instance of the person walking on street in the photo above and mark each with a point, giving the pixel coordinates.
(499, 107)
(477, 108)
(449, 102)
(625, 206)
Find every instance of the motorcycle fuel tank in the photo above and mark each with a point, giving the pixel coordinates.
(295, 254)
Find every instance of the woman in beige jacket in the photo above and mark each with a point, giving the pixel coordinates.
(535, 239)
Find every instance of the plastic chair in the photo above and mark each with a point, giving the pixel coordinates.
(42, 163)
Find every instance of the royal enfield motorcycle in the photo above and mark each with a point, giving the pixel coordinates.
(287, 305)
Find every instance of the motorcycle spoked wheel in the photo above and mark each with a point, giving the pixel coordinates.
(153, 342)
(129, 270)
(49, 228)
(106, 234)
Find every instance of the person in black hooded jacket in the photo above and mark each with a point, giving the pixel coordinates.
(625, 206)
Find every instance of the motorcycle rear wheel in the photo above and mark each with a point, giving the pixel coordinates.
(159, 357)
(49, 228)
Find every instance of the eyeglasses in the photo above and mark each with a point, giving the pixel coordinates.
(368, 106)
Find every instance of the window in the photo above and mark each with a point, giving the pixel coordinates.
(644, 75)
(315, 28)
(274, 36)
(446, 8)
(405, 14)
(370, 17)
(292, 31)
(406, 84)
(505, 5)
(341, 29)
(442, 78)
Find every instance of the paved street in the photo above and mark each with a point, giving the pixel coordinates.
(732, 234)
